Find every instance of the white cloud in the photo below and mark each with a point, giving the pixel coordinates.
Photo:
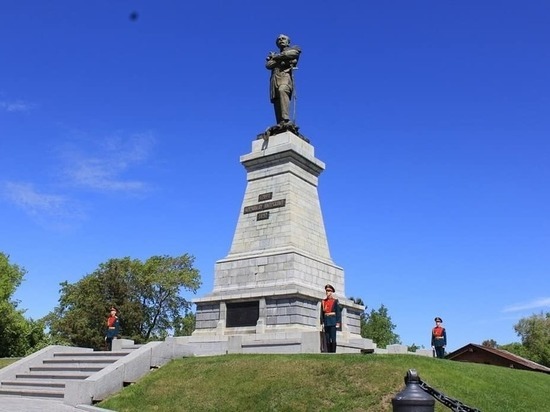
(47, 209)
(25, 196)
(105, 166)
(16, 106)
(534, 304)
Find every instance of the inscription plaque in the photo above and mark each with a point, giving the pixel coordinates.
(265, 196)
(242, 314)
(265, 206)
(262, 216)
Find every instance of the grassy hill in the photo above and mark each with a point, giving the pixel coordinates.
(325, 383)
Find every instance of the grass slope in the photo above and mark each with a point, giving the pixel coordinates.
(7, 361)
(325, 383)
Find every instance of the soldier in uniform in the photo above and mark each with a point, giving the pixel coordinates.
(331, 317)
(439, 338)
(113, 326)
(281, 82)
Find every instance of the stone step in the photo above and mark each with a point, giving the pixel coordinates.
(39, 393)
(49, 378)
(80, 361)
(43, 383)
(91, 354)
(268, 343)
(58, 375)
(66, 368)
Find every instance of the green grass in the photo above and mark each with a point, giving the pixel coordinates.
(7, 361)
(325, 383)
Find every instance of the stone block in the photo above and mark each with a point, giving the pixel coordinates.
(397, 348)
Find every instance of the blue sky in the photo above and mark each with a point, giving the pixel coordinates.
(122, 137)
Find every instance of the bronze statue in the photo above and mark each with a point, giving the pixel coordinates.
(281, 83)
(281, 87)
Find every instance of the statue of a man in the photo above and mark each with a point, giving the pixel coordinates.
(281, 83)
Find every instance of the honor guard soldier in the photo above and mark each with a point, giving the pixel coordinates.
(113, 326)
(331, 318)
(439, 338)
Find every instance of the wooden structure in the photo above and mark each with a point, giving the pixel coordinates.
(492, 356)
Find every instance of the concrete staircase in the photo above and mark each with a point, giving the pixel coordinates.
(82, 376)
(47, 378)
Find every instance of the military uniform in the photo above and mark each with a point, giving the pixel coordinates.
(331, 317)
(439, 338)
(113, 327)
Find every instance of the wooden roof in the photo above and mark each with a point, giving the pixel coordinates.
(492, 356)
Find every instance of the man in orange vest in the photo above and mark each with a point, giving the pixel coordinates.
(439, 338)
(331, 318)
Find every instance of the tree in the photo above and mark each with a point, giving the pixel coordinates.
(147, 294)
(11, 276)
(414, 347)
(516, 348)
(18, 335)
(535, 337)
(490, 343)
(377, 325)
(187, 325)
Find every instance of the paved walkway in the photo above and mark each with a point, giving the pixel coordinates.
(22, 404)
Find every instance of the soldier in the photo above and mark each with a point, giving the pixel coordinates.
(113, 325)
(331, 317)
(281, 82)
(439, 338)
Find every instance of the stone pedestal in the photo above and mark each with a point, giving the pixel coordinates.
(267, 290)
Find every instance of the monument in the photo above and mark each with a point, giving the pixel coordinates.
(267, 290)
